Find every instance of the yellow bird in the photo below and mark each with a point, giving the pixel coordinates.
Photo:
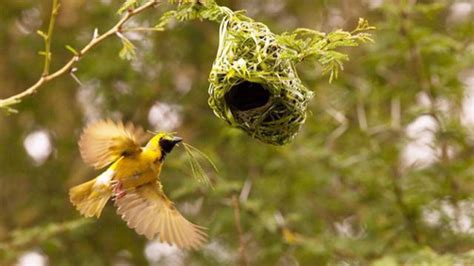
(133, 181)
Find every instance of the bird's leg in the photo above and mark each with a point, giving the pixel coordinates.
(118, 190)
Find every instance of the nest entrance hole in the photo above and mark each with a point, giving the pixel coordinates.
(246, 96)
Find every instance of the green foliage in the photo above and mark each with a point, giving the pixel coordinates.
(128, 51)
(310, 43)
(342, 193)
(19, 239)
(129, 5)
(426, 257)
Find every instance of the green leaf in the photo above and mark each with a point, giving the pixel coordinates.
(72, 50)
(129, 4)
(128, 51)
(42, 34)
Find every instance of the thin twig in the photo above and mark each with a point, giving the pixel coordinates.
(243, 256)
(408, 215)
(7, 102)
(141, 29)
(47, 39)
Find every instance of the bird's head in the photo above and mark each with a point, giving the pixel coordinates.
(163, 142)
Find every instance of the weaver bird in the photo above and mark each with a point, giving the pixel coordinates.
(132, 180)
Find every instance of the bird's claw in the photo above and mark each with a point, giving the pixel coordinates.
(117, 189)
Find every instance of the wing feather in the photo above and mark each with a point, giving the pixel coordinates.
(147, 210)
(175, 233)
(105, 141)
(164, 234)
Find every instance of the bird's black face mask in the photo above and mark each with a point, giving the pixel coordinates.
(167, 145)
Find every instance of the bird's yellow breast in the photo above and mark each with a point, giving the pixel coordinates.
(139, 169)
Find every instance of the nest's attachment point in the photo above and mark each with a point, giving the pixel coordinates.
(246, 96)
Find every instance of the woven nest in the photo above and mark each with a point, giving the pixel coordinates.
(253, 86)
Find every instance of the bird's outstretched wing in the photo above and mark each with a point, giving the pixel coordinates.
(105, 141)
(147, 210)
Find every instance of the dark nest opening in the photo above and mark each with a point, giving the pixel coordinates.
(247, 96)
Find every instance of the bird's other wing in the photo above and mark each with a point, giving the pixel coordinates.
(105, 141)
(147, 210)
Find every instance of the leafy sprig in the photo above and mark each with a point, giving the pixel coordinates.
(304, 43)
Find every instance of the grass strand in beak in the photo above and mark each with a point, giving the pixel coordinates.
(194, 156)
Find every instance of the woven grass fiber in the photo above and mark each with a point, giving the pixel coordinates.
(253, 86)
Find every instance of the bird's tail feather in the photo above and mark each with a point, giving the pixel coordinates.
(90, 197)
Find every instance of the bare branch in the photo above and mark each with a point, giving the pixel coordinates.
(243, 257)
(46, 77)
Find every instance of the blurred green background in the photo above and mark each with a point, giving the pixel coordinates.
(382, 172)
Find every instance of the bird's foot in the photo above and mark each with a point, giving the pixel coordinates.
(117, 189)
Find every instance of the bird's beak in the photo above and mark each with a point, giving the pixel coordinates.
(176, 140)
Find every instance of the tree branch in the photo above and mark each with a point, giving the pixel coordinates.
(408, 215)
(49, 36)
(46, 77)
(238, 225)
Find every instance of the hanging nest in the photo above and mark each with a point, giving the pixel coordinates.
(253, 85)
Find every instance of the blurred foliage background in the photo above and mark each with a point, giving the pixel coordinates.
(382, 172)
